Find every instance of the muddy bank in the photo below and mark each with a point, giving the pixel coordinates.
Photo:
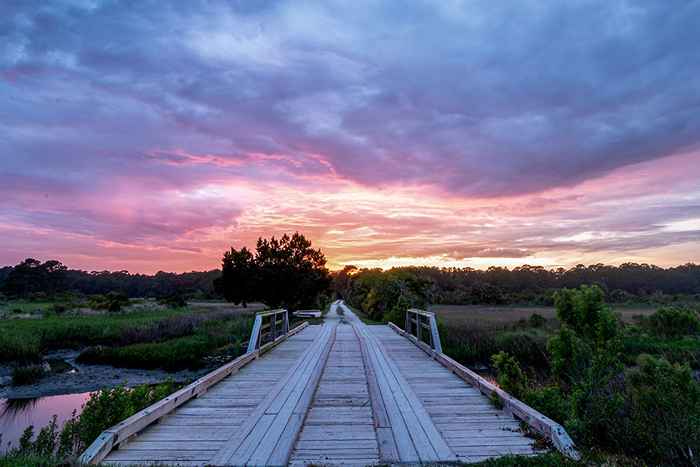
(78, 378)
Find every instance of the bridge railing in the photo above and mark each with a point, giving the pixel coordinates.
(269, 326)
(422, 326)
(269, 329)
(424, 322)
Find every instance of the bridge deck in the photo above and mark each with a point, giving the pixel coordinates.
(338, 393)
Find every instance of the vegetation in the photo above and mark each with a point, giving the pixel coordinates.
(623, 389)
(22, 375)
(54, 445)
(375, 291)
(178, 353)
(283, 272)
(171, 339)
(32, 279)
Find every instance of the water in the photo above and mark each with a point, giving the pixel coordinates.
(18, 414)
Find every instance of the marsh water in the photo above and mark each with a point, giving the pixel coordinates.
(17, 414)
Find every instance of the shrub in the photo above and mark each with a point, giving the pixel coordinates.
(174, 301)
(673, 322)
(550, 401)
(663, 426)
(510, 376)
(23, 375)
(113, 301)
(536, 320)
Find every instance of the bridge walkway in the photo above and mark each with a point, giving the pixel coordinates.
(340, 393)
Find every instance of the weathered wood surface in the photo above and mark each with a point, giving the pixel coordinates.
(472, 427)
(339, 427)
(538, 422)
(340, 393)
(195, 432)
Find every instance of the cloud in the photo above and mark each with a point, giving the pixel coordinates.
(428, 129)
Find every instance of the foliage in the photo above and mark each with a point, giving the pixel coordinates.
(239, 279)
(174, 301)
(630, 282)
(684, 350)
(536, 320)
(510, 376)
(31, 279)
(32, 276)
(23, 375)
(178, 353)
(543, 460)
(673, 322)
(663, 403)
(55, 446)
(283, 272)
(112, 301)
(24, 340)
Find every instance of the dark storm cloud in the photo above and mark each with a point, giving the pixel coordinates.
(481, 97)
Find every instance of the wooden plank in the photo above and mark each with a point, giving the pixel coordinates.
(257, 425)
(279, 449)
(537, 421)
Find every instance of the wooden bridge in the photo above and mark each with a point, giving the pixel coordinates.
(338, 393)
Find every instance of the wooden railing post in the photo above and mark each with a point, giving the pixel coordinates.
(430, 325)
(272, 327)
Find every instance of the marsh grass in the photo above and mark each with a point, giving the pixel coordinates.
(23, 375)
(138, 334)
(176, 344)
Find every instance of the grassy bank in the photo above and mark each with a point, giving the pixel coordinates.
(141, 336)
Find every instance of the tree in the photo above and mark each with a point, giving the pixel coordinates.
(239, 274)
(284, 272)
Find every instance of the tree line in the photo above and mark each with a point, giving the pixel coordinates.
(378, 291)
(35, 279)
(288, 271)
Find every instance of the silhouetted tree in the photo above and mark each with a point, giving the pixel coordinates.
(239, 276)
(284, 272)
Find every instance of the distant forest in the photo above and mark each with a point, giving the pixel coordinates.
(496, 285)
(34, 279)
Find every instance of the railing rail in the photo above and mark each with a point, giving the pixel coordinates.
(268, 324)
(425, 324)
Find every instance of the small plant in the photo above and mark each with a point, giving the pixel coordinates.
(510, 376)
(174, 301)
(536, 320)
(23, 375)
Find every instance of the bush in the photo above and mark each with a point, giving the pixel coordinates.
(550, 401)
(113, 301)
(673, 322)
(174, 301)
(23, 375)
(537, 320)
(663, 425)
(510, 376)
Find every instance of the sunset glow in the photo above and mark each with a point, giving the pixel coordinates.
(420, 138)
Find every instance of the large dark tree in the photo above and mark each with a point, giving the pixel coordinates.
(285, 272)
(238, 280)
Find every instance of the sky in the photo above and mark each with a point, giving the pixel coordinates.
(153, 135)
